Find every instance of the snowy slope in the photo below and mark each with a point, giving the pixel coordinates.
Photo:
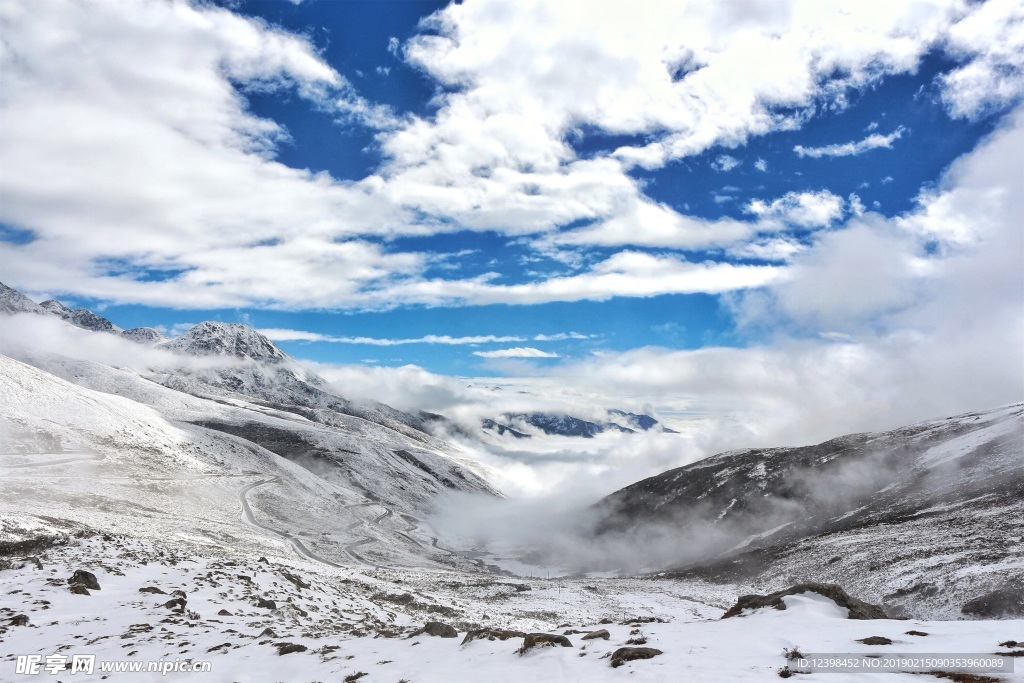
(922, 518)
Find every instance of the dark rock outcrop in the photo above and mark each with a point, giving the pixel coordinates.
(858, 609)
(437, 629)
(875, 640)
(488, 633)
(84, 578)
(628, 654)
(288, 648)
(1001, 603)
(533, 640)
(600, 633)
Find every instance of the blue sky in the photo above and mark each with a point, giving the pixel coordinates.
(502, 188)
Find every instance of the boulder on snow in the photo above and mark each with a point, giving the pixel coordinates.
(437, 629)
(177, 604)
(533, 640)
(600, 633)
(266, 604)
(858, 609)
(875, 640)
(78, 589)
(288, 648)
(628, 654)
(488, 633)
(153, 590)
(19, 620)
(85, 578)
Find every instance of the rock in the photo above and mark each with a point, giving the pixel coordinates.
(179, 594)
(521, 587)
(78, 589)
(875, 640)
(288, 648)
(85, 578)
(19, 620)
(1011, 643)
(267, 633)
(1002, 603)
(224, 613)
(628, 654)
(152, 589)
(857, 608)
(176, 604)
(533, 640)
(491, 634)
(606, 620)
(601, 633)
(916, 633)
(32, 559)
(266, 604)
(299, 583)
(437, 629)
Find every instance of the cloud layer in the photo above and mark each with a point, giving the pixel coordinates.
(142, 176)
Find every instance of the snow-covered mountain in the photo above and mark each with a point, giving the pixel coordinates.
(524, 425)
(13, 301)
(226, 339)
(225, 399)
(214, 501)
(923, 519)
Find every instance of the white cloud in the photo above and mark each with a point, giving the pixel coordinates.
(761, 165)
(278, 334)
(992, 40)
(627, 273)
(517, 352)
(804, 209)
(725, 163)
(95, 91)
(869, 143)
(768, 249)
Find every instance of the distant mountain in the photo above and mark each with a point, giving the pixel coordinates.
(920, 518)
(519, 425)
(13, 301)
(144, 335)
(226, 339)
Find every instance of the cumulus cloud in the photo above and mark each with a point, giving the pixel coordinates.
(803, 209)
(724, 163)
(846, 149)
(992, 40)
(883, 323)
(141, 175)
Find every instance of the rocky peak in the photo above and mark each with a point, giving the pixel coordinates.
(143, 335)
(57, 308)
(13, 301)
(226, 339)
(80, 317)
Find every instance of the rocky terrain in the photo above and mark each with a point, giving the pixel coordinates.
(924, 518)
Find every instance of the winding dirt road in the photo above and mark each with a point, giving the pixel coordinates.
(297, 545)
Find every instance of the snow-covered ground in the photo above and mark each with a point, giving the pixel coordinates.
(243, 497)
(352, 620)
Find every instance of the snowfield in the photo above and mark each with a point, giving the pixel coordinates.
(353, 620)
